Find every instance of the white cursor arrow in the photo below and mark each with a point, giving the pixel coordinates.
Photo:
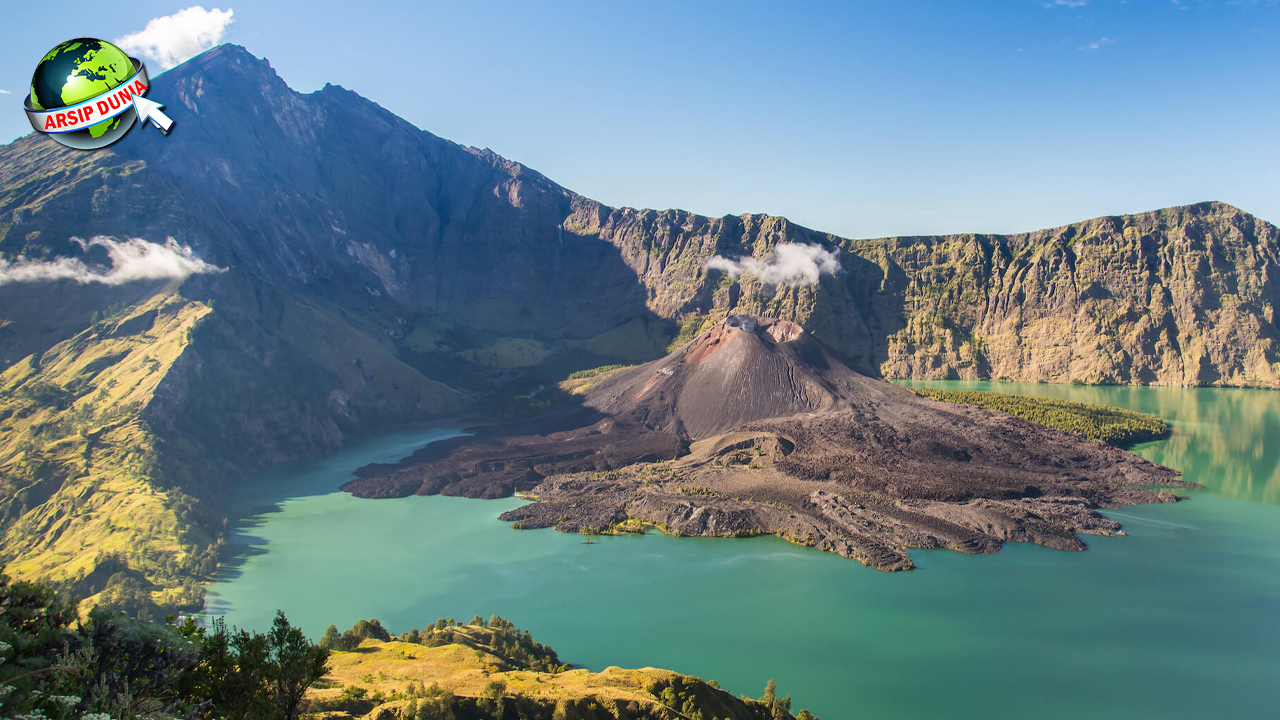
(148, 110)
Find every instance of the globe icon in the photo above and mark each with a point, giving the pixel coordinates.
(77, 70)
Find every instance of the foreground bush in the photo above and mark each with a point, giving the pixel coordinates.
(55, 666)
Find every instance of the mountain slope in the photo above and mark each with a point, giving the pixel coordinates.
(118, 445)
(76, 457)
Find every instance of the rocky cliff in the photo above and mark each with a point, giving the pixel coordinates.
(1181, 296)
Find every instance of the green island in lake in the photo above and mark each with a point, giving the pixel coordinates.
(1111, 425)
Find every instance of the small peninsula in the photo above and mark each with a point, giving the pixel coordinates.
(1111, 425)
(756, 427)
(490, 669)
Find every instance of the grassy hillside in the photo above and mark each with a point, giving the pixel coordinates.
(480, 670)
(119, 444)
(81, 470)
(1111, 425)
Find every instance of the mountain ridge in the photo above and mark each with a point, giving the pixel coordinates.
(667, 251)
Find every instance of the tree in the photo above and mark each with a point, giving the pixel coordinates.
(332, 638)
(33, 618)
(371, 629)
(493, 692)
(770, 693)
(348, 642)
(108, 664)
(127, 668)
(296, 665)
(780, 708)
(113, 665)
(437, 704)
(232, 676)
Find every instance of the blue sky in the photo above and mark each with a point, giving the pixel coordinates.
(861, 118)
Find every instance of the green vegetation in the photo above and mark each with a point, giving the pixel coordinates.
(110, 667)
(507, 353)
(584, 374)
(638, 340)
(690, 327)
(630, 526)
(499, 638)
(490, 669)
(702, 492)
(90, 500)
(580, 382)
(1107, 424)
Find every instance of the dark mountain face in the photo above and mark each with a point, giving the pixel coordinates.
(328, 194)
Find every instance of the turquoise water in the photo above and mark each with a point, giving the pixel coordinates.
(1181, 619)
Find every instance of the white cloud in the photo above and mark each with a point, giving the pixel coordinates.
(4, 92)
(172, 39)
(1096, 44)
(1067, 3)
(133, 259)
(788, 263)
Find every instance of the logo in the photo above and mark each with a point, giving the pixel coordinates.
(87, 93)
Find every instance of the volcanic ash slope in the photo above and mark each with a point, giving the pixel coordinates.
(756, 427)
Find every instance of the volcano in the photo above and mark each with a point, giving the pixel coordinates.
(758, 427)
(743, 369)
